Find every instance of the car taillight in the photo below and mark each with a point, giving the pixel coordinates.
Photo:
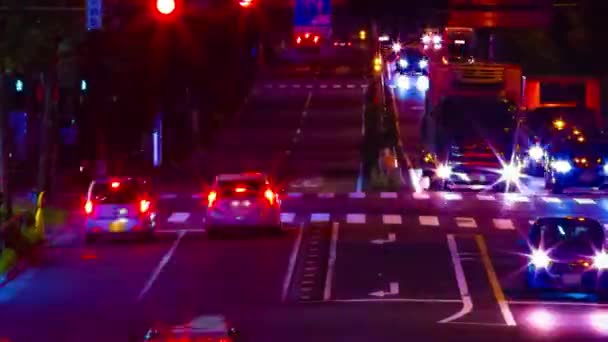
(88, 207)
(316, 39)
(240, 189)
(298, 40)
(270, 196)
(211, 198)
(144, 206)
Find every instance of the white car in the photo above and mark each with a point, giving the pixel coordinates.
(245, 200)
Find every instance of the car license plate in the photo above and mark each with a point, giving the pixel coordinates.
(571, 279)
(117, 226)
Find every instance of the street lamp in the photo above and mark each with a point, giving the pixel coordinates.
(165, 7)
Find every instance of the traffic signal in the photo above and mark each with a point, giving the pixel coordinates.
(165, 7)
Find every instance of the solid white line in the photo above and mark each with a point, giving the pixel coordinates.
(483, 197)
(287, 217)
(551, 199)
(397, 300)
(292, 262)
(450, 196)
(331, 262)
(159, 268)
(534, 302)
(467, 303)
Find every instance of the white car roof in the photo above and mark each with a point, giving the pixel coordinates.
(240, 176)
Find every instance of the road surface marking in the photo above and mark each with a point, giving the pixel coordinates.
(428, 220)
(551, 199)
(168, 196)
(294, 195)
(282, 86)
(319, 217)
(388, 195)
(326, 195)
(356, 195)
(197, 196)
(309, 86)
(496, 288)
(531, 222)
(306, 289)
(503, 224)
(584, 201)
(336, 86)
(287, 217)
(461, 280)
(331, 261)
(297, 86)
(178, 217)
(292, 262)
(359, 185)
(397, 300)
(307, 282)
(558, 303)
(323, 86)
(310, 268)
(364, 86)
(159, 268)
(483, 197)
(466, 222)
(174, 231)
(391, 219)
(450, 196)
(350, 86)
(269, 86)
(516, 198)
(355, 218)
(421, 195)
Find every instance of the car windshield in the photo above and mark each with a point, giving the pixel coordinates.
(115, 192)
(486, 118)
(568, 234)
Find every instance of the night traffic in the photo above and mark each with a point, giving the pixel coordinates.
(331, 170)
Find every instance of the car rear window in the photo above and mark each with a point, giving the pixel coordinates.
(120, 193)
(579, 234)
(241, 188)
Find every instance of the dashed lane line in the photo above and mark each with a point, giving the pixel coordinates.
(161, 265)
(292, 263)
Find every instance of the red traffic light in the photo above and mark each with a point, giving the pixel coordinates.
(165, 7)
(245, 3)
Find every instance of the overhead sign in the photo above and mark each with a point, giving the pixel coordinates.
(314, 14)
(94, 14)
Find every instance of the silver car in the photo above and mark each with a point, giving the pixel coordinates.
(242, 201)
(118, 205)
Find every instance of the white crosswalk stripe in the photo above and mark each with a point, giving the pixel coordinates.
(356, 218)
(484, 197)
(503, 224)
(288, 217)
(319, 217)
(178, 217)
(551, 199)
(516, 198)
(388, 195)
(450, 196)
(356, 195)
(294, 195)
(421, 195)
(584, 201)
(326, 195)
(391, 219)
(428, 220)
(466, 222)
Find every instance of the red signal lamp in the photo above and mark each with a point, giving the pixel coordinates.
(165, 7)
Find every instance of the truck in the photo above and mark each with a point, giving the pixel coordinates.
(469, 126)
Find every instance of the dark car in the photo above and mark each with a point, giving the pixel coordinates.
(538, 128)
(568, 253)
(308, 42)
(576, 161)
(468, 144)
(412, 62)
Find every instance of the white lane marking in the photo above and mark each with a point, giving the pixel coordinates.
(309, 86)
(350, 86)
(269, 86)
(356, 195)
(388, 195)
(292, 263)
(364, 86)
(356, 218)
(428, 220)
(161, 265)
(168, 196)
(450, 196)
(584, 201)
(294, 195)
(391, 219)
(323, 86)
(297, 86)
(331, 261)
(288, 217)
(397, 300)
(503, 224)
(516, 198)
(177, 231)
(466, 222)
(197, 196)
(551, 199)
(483, 197)
(461, 280)
(178, 217)
(421, 195)
(336, 86)
(282, 86)
(326, 195)
(557, 303)
(531, 222)
(319, 217)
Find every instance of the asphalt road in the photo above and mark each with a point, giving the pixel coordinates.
(351, 266)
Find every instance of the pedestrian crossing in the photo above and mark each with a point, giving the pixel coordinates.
(319, 85)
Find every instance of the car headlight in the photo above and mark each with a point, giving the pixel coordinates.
(422, 83)
(396, 47)
(436, 40)
(561, 166)
(510, 172)
(600, 261)
(403, 63)
(540, 259)
(423, 64)
(403, 82)
(606, 168)
(443, 171)
(536, 152)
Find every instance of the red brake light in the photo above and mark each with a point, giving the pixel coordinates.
(240, 190)
(88, 207)
(349, 43)
(211, 198)
(144, 206)
(316, 39)
(298, 40)
(115, 185)
(307, 35)
(270, 196)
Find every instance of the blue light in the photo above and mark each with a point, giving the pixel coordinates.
(19, 86)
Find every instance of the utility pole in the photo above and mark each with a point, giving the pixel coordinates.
(47, 138)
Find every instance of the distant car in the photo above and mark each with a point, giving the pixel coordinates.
(540, 127)
(245, 200)
(119, 205)
(576, 161)
(568, 253)
(204, 328)
(412, 62)
(308, 41)
(342, 43)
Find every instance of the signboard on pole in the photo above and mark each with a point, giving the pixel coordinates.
(312, 16)
(94, 14)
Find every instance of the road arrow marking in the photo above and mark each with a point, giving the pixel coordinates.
(393, 290)
(392, 237)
